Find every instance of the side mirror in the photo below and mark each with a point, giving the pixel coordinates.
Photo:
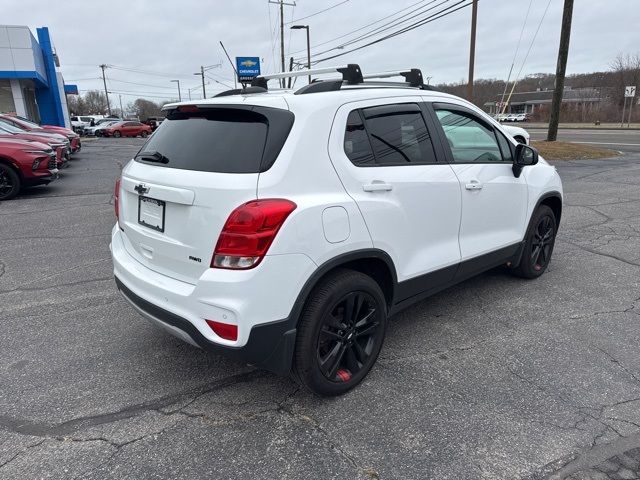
(525, 156)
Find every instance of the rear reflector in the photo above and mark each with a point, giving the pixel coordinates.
(249, 232)
(224, 330)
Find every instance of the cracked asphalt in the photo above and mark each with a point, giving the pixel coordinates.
(496, 378)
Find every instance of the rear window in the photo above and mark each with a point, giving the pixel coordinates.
(223, 140)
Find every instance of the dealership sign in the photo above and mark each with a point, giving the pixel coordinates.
(248, 68)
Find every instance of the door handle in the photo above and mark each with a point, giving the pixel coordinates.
(473, 185)
(377, 186)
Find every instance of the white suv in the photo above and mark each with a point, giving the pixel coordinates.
(283, 228)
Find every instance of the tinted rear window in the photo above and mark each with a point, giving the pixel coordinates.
(224, 140)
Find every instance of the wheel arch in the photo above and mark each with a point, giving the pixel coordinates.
(554, 201)
(373, 262)
(6, 161)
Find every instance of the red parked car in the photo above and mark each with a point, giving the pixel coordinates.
(59, 143)
(24, 163)
(127, 129)
(30, 126)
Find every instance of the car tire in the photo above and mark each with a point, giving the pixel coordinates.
(144, 134)
(9, 182)
(340, 333)
(117, 134)
(538, 244)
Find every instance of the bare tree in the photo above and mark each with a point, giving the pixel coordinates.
(95, 103)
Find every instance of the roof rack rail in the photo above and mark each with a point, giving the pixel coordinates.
(413, 76)
(351, 74)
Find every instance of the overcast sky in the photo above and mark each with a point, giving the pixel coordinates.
(170, 39)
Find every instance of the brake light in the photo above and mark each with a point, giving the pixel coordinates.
(116, 201)
(249, 232)
(224, 330)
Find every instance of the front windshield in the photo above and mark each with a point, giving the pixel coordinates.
(28, 122)
(10, 127)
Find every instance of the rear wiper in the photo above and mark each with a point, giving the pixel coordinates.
(152, 156)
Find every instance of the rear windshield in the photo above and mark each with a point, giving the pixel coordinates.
(223, 140)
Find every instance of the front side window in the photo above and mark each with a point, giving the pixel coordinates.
(388, 135)
(470, 140)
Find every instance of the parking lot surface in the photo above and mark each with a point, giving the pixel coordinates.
(494, 378)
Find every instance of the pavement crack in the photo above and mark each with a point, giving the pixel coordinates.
(617, 362)
(608, 255)
(27, 427)
(24, 450)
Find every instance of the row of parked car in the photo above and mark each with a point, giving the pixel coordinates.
(95, 126)
(32, 154)
(512, 117)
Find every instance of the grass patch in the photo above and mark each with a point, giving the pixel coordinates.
(571, 151)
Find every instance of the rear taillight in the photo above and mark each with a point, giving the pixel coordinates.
(116, 201)
(249, 232)
(224, 330)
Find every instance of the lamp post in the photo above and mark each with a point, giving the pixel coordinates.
(201, 73)
(179, 94)
(305, 27)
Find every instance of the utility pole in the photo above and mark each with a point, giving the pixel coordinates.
(472, 49)
(563, 54)
(104, 81)
(204, 90)
(282, 3)
(121, 109)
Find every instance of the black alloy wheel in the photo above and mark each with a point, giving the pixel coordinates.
(348, 336)
(117, 134)
(9, 182)
(542, 244)
(539, 243)
(340, 333)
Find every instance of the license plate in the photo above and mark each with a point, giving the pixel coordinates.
(151, 213)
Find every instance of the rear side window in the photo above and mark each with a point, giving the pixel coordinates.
(388, 135)
(223, 140)
(356, 141)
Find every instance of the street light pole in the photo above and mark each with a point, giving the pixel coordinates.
(306, 27)
(121, 109)
(179, 94)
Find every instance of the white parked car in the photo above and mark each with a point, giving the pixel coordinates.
(284, 228)
(79, 123)
(519, 134)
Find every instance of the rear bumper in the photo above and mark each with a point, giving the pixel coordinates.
(270, 346)
(259, 301)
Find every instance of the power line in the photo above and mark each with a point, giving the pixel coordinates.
(317, 13)
(524, 24)
(363, 27)
(111, 79)
(436, 16)
(406, 17)
(515, 82)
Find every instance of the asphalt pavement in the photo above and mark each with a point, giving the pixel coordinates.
(496, 378)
